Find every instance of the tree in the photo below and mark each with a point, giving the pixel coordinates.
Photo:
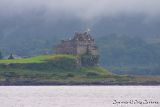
(0, 55)
(11, 56)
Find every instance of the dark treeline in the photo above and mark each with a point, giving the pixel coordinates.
(131, 55)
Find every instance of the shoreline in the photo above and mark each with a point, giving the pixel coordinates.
(77, 84)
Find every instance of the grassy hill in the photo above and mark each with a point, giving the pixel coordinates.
(49, 69)
(37, 59)
(60, 70)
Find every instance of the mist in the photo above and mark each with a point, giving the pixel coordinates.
(127, 31)
(86, 10)
(63, 17)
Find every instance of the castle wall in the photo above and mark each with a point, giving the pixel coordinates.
(81, 50)
(94, 50)
(78, 45)
(81, 44)
(66, 47)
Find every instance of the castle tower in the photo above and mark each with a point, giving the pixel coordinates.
(80, 44)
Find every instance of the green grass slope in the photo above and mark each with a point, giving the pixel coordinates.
(37, 59)
(61, 70)
(50, 69)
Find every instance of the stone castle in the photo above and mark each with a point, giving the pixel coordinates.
(81, 44)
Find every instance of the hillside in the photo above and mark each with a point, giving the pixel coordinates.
(119, 53)
(62, 70)
(37, 29)
(49, 69)
(130, 55)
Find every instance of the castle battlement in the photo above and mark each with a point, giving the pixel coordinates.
(80, 44)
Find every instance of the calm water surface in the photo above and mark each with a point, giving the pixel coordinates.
(79, 96)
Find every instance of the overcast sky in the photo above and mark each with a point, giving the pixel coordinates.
(118, 15)
(83, 9)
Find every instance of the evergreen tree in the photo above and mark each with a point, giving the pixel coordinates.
(0, 55)
(88, 59)
(11, 56)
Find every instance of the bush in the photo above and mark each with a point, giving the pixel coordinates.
(9, 74)
(0, 55)
(89, 60)
(70, 75)
(92, 74)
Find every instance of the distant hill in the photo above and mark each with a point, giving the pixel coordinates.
(130, 55)
(120, 54)
(134, 51)
(31, 36)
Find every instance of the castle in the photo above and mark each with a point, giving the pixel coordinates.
(81, 44)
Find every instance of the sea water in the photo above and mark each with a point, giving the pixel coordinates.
(79, 96)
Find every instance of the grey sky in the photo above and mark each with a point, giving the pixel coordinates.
(84, 9)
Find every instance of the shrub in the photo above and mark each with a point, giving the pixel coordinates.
(0, 55)
(92, 74)
(70, 75)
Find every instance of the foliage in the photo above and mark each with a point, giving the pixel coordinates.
(129, 55)
(0, 55)
(11, 56)
(57, 74)
(92, 74)
(89, 60)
